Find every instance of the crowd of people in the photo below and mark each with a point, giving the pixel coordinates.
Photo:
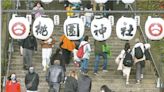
(55, 65)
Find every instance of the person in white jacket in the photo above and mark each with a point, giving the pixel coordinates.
(139, 62)
(85, 58)
(119, 60)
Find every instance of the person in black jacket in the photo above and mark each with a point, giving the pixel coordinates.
(31, 80)
(29, 45)
(84, 83)
(55, 76)
(57, 56)
(71, 84)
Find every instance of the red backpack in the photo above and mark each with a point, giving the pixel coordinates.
(80, 52)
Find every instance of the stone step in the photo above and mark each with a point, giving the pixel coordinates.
(109, 79)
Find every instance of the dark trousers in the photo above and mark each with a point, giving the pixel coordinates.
(139, 70)
(66, 56)
(27, 57)
(54, 87)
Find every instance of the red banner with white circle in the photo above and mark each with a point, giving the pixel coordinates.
(154, 28)
(19, 27)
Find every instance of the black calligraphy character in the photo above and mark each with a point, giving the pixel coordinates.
(44, 30)
(41, 29)
(123, 31)
(38, 28)
(102, 30)
(130, 31)
(72, 29)
(96, 31)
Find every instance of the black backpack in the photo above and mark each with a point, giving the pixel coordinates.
(128, 60)
(147, 54)
(138, 53)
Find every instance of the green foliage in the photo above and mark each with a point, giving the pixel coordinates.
(6, 4)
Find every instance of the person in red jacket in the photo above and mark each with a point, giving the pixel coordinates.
(12, 84)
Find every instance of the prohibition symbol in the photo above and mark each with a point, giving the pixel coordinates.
(18, 29)
(155, 29)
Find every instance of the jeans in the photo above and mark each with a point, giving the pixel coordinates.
(97, 60)
(139, 70)
(84, 65)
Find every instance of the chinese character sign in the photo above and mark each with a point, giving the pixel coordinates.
(43, 28)
(19, 27)
(56, 20)
(126, 28)
(74, 28)
(101, 29)
(154, 28)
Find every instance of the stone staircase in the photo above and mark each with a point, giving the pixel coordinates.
(113, 79)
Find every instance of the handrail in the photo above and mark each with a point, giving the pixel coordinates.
(144, 37)
(80, 11)
(9, 59)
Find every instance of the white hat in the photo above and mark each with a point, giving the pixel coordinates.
(147, 46)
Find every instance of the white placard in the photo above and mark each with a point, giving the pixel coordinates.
(56, 20)
(74, 28)
(29, 18)
(126, 28)
(111, 18)
(43, 28)
(101, 29)
(19, 27)
(83, 19)
(137, 19)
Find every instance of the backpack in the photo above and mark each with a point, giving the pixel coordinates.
(106, 49)
(128, 60)
(138, 53)
(80, 52)
(30, 41)
(147, 54)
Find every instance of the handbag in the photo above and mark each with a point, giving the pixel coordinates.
(29, 85)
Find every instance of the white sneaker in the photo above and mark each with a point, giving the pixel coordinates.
(141, 76)
(127, 82)
(104, 71)
(44, 69)
(138, 82)
(96, 73)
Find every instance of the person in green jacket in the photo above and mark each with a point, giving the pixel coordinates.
(101, 49)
